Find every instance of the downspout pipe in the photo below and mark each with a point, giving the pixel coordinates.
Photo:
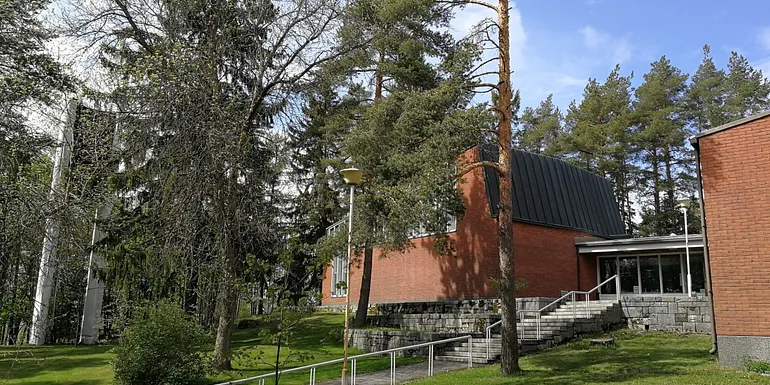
(706, 259)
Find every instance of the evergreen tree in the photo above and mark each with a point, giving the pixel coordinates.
(598, 136)
(705, 97)
(661, 133)
(747, 89)
(400, 38)
(541, 129)
(29, 76)
(201, 85)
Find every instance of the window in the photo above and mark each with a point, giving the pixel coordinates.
(339, 275)
(671, 274)
(339, 265)
(649, 274)
(629, 275)
(652, 274)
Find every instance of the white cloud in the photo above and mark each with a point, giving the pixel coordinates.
(763, 38)
(617, 49)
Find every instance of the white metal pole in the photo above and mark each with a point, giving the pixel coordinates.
(347, 290)
(687, 253)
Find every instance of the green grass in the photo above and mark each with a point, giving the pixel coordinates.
(90, 365)
(649, 358)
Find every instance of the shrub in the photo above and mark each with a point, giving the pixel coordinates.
(160, 347)
(753, 365)
(249, 323)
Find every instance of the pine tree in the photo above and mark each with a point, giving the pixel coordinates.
(540, 129)
(747, 89)
(705, 97)
(598, 136)
(661, 133)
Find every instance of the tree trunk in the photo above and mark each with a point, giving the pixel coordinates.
(227, 306)
(366, 285)
(366, 278)
(655, 182)
(509, 360)
(670, 185)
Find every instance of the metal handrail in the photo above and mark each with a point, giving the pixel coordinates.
(571, 294)
(312, 367)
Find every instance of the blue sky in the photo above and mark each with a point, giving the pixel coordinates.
(558, 45)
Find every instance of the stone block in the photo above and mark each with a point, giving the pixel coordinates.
(672, 306)
(703, 327)
(694, 318)
(688, 327)
(659, 309)
(666, 319)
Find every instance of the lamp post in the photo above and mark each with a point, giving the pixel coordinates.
(683, 205)
(352, 178)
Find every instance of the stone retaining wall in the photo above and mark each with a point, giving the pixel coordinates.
(445, 306)
(451, 316)
(378, 340)
(435, 322)
(681, 314)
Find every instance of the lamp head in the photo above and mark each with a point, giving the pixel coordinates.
(352, 175)
(684, 204)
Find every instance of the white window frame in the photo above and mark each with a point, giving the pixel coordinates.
(339, 266)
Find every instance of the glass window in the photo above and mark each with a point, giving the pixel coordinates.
(697, 272)
(607, 268)
(629, 275)
(672, 274)
(648, 268)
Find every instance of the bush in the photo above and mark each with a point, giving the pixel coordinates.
(248, 323)
(160, 347)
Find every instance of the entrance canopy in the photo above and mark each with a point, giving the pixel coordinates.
(654, 266)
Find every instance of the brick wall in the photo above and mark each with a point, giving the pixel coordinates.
(545, 257)
(735, 167)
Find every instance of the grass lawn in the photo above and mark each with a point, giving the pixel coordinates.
(649, 358)
(90, 365)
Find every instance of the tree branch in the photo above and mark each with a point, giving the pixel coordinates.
(473, 166)
(466, 2)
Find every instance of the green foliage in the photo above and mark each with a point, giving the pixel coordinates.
(640, 359)
(757, 366)
(161, 346)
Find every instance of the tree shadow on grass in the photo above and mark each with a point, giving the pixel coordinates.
(630, 359)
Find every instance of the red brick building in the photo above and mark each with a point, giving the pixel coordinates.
(554, 204)
(734, 162)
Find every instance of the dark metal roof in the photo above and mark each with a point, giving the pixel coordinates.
(551, 192)
(732, 124)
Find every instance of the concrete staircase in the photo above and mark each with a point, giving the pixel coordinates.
(559, 325)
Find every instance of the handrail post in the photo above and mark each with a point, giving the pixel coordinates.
(538, 325)
(353, 372)
(430, 361)
(470, 351)
(574, 312)
(617, 287)
(392, 368)
(588, 305)
(489, 332)
(312, 376)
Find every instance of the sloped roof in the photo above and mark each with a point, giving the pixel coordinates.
(550, 192)
(726, 126)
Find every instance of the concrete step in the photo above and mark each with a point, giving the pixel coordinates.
(463, 358)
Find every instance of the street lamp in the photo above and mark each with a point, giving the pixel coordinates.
(352, 178)
(683, 205)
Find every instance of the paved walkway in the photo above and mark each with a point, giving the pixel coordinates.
(403, 373)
